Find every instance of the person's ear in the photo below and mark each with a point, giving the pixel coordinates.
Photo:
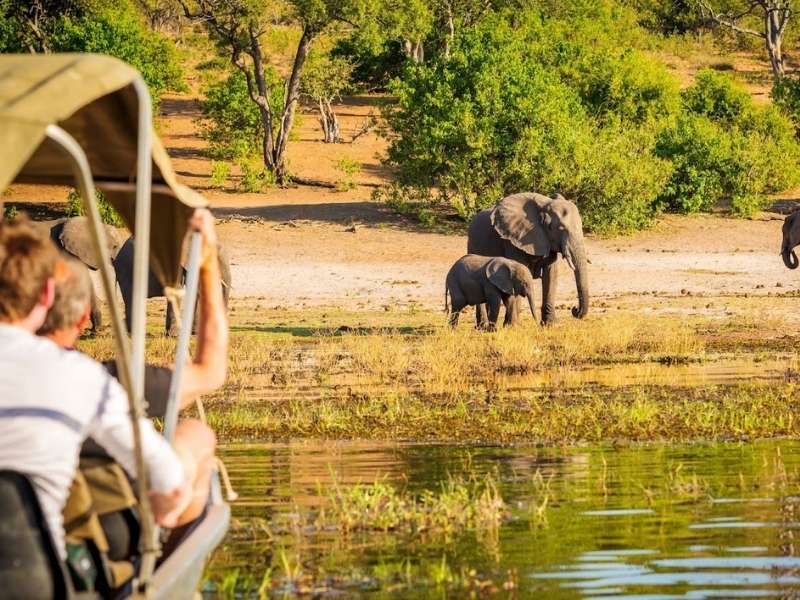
(86, 318)
(48, 293)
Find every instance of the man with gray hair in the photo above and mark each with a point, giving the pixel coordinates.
(71, 310)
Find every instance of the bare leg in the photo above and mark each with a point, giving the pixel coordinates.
(196, 444)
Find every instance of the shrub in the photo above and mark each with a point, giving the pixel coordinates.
(786, 95)
(348, 167)
(255, 177)
(495, 118)
(726, 149)
(619, 179)
(108, 213)
(699, 152)
(122, 34)
(233, 125)
(220, 171)
(716, 96)
(713, 163)
(485, 121)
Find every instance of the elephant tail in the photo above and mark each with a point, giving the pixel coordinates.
(446, 299)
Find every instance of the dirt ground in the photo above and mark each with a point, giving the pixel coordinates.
(312, 246)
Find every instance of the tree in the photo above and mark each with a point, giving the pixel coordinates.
(237, 27)
(775, 15)
(326, 79)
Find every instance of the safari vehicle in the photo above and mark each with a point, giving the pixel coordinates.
(86, 120)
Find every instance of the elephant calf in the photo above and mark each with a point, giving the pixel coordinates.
(475, 280)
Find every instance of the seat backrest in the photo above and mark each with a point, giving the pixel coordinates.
(29, 564)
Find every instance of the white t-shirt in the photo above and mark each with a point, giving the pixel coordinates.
(51, 400)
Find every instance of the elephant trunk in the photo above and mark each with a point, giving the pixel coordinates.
(789, 257)
(578, 261)
(530, 303)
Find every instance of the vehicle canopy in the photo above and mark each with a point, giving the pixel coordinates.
(93, 98)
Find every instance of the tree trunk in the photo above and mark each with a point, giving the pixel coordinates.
(451, 31)
(328, 121)
(773, 38)
(414, 50)
(290, 102)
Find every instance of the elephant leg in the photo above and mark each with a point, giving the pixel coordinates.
(510, 305)
(95, 314)
(493, 302)
(170, 325)
(457, 304)
(128, 301)
(549, 285)
(480, 316)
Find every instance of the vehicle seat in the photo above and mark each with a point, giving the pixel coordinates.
(30, 567)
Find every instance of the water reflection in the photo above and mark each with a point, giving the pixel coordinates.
(643, 521)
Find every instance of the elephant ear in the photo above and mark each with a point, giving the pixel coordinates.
(519, 219)
(498, 272)
(76, 240)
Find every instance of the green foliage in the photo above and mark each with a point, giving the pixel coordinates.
(497, 117)
(374, 65)
(326, 77)
(724, 148)
(121, 34)
(233, 125)
(255, 177)
(108, 213)
(668, 18)
(349, 168)
(786, 95)
(220, 170)
(618, 178)
(100, 26)
(716, 96)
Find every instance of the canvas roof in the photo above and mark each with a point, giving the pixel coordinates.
(92, 97)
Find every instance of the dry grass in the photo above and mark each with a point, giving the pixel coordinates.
(451, 362)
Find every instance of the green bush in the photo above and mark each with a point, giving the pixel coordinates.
(349, 168)
(255, 177)
(122, 34)
(726, 149)
(108, 213)
(495, 119)
(618, 179)
(786, 95)
(483, 122)
(233, 125)
(714, 163)
(715, 95)
(220, 171)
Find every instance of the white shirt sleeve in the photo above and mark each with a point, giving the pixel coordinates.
(111, 428)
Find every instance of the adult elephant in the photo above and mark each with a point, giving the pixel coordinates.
(534, 229)
(791, 238)
(123, 268)
(72, 235)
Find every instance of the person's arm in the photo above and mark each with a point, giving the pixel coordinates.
(170, 489)
(207, 371)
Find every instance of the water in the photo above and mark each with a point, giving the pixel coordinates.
(641, 521)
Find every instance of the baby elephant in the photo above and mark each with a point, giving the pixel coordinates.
(474, 280)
